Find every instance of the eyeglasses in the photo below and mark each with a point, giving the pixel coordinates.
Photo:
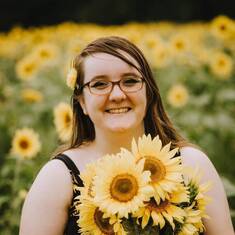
(102, 87)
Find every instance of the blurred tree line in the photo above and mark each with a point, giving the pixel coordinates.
(48, 12)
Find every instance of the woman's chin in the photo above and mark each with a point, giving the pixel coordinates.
(119, 128)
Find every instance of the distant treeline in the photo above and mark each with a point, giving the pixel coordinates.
(47, 12)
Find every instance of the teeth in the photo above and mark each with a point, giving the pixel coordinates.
(121, 110)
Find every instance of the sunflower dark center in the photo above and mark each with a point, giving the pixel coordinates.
(29, 68)
(67, 119)
(24, 144)
(44, 54)
(103, 223)
(179, 45)
(223, 27)
(178, 96)
(153, 206)
(221, 62)
(124, 187)
(156, 168)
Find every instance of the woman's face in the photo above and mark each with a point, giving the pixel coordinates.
(116, 111)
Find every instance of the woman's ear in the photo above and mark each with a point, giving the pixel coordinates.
(82, 103)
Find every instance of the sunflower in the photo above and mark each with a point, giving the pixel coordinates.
(27, 68)
(71, 76)
(166, 210)
(87, 177)
(197, 190)
(178, 45)
(160, 56)
(152, 41)
(178, 96)
(63, 121)
(120, 185)
(223, 27)
(26, 143)
(164, 167)
(221, 65)
(93, 221)
(193, 222)
(46, 53)
(31, 95)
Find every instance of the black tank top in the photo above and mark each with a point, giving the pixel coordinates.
(72, 226)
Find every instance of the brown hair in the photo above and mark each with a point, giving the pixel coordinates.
(156, 121)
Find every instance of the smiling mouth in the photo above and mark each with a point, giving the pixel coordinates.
(118, 110)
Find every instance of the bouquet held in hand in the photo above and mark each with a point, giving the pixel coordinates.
(142, 191)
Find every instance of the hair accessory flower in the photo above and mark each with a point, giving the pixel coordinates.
(71, 76)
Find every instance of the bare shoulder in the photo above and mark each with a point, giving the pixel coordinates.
(195, 158)
(50, 196)
(53, 179)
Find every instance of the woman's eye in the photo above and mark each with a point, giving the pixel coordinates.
(130, 81)
(99, 84)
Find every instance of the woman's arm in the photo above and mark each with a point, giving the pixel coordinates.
(218, 209)
(45, 209)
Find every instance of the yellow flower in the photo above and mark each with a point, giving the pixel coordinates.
(193, 222)
(178, 44)
(31, 95)
(165, 210)
(221, 65)
(223, 27)
(27, 68)
(26, 143)
(152, 41)
(63, 121)
(165, 168)
(93, 221)
(120, 184)
(178, 96)
(46, 53)
(71, 78)
(160, 56)
(87, 177)
(192, 180)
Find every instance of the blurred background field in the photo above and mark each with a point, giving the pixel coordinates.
(193, 63)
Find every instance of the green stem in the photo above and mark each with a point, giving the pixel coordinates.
(135, 227)
(16, 177)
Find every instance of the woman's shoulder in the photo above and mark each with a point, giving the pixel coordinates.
(54, 171)
(194, 158)
(193, 155)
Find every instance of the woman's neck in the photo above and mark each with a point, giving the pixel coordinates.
(111, 142)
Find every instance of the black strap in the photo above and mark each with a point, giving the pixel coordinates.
(71, 166)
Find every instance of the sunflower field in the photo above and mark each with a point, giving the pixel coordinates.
(194, 66)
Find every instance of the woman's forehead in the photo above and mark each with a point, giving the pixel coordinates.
(107, 63)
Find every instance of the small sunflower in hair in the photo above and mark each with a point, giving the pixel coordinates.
(71, 76)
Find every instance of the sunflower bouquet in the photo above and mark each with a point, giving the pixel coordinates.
(142, 191)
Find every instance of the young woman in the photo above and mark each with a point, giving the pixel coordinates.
(115, 99)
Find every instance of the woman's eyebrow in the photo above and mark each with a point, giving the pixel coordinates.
(103, 76)
(99, 77)
(129, 74)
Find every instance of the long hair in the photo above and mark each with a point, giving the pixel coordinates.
(156, 121)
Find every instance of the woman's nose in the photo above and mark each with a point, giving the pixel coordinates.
(116, 93)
